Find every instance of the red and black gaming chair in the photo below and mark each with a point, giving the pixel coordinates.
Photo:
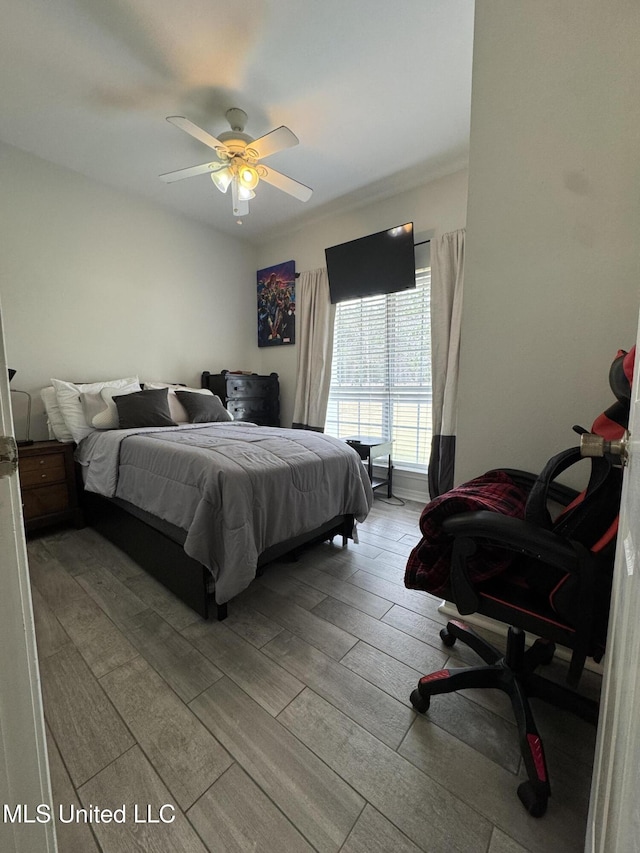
(491, 547)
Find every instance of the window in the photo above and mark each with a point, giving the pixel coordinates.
(381, 375)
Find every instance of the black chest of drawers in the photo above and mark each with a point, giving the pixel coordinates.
(249, 397)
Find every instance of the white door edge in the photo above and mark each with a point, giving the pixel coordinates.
(24, 766)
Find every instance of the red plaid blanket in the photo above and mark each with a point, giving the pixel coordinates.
(428, 564)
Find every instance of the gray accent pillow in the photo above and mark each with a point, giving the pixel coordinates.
(203, 408)
(148, 408)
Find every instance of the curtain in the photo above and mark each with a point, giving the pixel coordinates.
(447, 271)
(314, 331)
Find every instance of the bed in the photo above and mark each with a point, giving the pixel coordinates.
(203, 507)
(197, 499)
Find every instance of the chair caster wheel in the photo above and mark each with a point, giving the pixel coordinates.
(420, 702)
(546, 652)
(447, 638)
(535, 804)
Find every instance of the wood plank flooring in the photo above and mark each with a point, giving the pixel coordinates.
(287, 727)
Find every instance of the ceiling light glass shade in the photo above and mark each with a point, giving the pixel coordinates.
(222, 179)
(245, 194)
(248, 177)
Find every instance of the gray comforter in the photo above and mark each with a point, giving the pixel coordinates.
(234, 487)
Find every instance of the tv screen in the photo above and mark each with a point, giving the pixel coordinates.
(379, 263)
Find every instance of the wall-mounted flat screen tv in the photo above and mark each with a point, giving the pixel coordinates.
(378, 263)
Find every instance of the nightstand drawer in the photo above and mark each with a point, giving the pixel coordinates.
(44, 501)
(49, 468)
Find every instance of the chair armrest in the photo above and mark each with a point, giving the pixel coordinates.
(517, 535)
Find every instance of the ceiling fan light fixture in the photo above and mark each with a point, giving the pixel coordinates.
(245, 194)
(222, 179)
(248, 177)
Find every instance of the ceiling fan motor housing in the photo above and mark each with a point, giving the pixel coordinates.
(236, 140)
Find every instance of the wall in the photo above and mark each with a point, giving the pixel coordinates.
(438, 206)
(553, 225)
(96, 284)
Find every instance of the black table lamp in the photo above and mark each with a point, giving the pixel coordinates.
(27, 440)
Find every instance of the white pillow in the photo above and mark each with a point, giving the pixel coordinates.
(57, 427)
(69, 401)
(99, 409)
(176, 409)
(92, 405)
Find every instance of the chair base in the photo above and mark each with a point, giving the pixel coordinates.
(514, 673)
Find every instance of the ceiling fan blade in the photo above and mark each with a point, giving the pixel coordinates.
(270, 143)
(287, 185)
(240, 207)
(179, 174)
(197, 132)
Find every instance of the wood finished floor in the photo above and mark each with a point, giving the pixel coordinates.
(288, 726)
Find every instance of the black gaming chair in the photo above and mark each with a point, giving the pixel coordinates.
(507, 559)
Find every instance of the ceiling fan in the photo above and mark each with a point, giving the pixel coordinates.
(236, 164)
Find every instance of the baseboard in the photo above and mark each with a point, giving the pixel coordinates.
(476, 620)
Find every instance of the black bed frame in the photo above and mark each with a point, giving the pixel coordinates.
(165, 559)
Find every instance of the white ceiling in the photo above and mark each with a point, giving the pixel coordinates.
(378, 94)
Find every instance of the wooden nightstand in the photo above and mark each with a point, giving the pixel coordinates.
(48, 484)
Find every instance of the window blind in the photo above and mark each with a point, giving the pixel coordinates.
(381, 374)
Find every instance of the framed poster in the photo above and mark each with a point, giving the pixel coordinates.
(277, 305)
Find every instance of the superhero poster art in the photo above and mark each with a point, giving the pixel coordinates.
(277, 305)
